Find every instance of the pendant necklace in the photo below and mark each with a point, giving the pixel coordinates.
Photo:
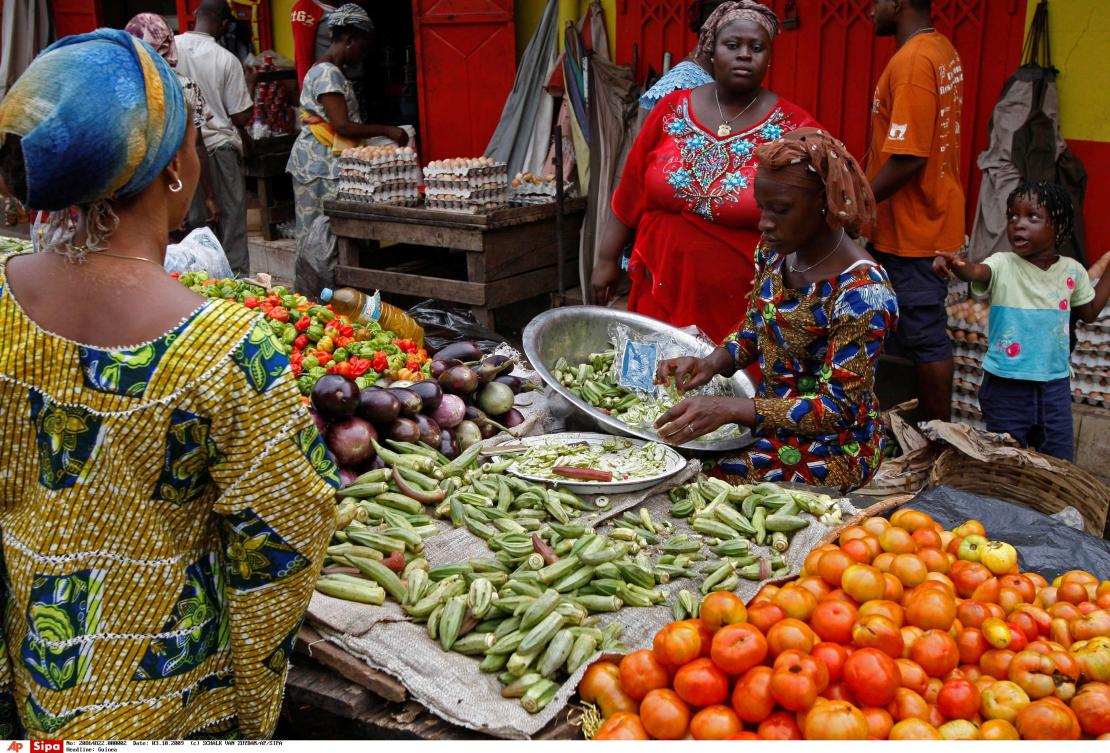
(725, 128)
(803, 270)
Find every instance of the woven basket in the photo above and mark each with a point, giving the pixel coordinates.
(1046, 491)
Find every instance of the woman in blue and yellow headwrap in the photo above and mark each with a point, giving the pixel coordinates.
(165, 499)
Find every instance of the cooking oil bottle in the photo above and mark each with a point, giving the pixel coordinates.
(365, 308)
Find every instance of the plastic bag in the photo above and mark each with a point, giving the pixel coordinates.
(199, 251)
(445, 324)
(317, 257)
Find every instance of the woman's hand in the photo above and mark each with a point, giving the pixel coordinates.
(603, 281)
(688, 372)
(400, 135)
(702, 414)
(213, 210)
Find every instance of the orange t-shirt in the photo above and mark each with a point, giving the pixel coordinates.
(916, 111)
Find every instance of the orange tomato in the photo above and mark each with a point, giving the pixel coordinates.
(832, 655)
(912, 676)
(908, 705)
(971, 645)
(996, 663)
(875, 526)
(701, 683)
(935, 560)
(722, 608)
(835, 720)
(863, 582)
(624, 725)
(894, 589)
(914, 729)
(968, 577)
(930, 609)
(601, 685)
(1092, 708)
(998, 729)
(664, 715)
(790, 633)
(883, 561)
(897, 541)
(1047, 719)
(879, 722)
(936, 652)
(796, 602)
(911, 520)
(715, 722)
(892, 610)
(876, 631)
(641, 673)
(751, 698)
(832, 565)
(872, 675)
(737, 648)
(677, 644)
(816, 585)
(779, 726)
(765, 615)
(832, 620)
(927, 538)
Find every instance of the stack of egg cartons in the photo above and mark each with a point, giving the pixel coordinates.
(967, 326)
(380, 175)
(1091, 358)
(473, 185)
(527, 188)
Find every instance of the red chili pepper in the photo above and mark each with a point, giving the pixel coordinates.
(322, 356)
(251, 302)
(582, 474)
(279, 313)
(175, 275)
(300, 342)
(358, 366)
(303, 324)
(395, 561)
(342, 367)
(347, 330)
(343, 341)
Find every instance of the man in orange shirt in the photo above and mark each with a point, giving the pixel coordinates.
(913, 164)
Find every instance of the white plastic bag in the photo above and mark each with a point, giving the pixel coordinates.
(199, 251)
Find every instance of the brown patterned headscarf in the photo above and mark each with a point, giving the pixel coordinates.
(153, 29)
(735, 10)
(811, 158)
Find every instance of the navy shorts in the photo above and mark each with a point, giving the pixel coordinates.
(922, 333)
(1036, 414)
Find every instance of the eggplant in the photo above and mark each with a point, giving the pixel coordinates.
(411, 404)
(346, 477)
(488, 430)
(429, 430)
(378, 406)
(464, 351)
(376, 463)
(466, 434)
(398, 383)
(351, 441)
(320, 421)
(459, 380)
(451, 411)
(440, 365)
(335, 397)
(403, 430)
(448, 444)
(512, 419)
(492, 367)
(516, 384)
(496, 399)
(383, 382)
(430, 393)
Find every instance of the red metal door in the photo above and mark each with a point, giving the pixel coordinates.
(829, 65)
(466, 63)
(75, 17)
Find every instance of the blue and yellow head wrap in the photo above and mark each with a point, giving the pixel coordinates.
(100, 116)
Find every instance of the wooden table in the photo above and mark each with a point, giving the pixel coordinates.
(265, 168)
(331, 694)
(510, 254)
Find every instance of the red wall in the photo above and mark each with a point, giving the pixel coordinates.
(1095, 156)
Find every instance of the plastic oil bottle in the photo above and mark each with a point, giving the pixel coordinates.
(366, 308)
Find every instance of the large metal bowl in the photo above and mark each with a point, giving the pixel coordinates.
(575, 332)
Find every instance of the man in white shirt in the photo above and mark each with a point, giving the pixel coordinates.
(221, 79)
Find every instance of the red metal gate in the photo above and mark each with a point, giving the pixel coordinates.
(466, 63)
(75, 17)
(831, 62)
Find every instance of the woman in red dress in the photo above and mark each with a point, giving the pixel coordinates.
(688, 183)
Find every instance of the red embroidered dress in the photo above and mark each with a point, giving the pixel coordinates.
(689, 195)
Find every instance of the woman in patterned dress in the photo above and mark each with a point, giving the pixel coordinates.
(165, 498)
(687, 186)
(815, 324)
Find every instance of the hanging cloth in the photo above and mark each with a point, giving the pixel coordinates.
(1026, 144)
(26, 32)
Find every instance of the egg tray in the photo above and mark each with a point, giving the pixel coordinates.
(406, 171)
(473, 195)
(465, 184)
(466, 207)
(499, 169)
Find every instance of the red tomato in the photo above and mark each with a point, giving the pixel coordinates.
(872, 676)
(996, 663)
(912, 676)
(764, 615)
(790, 634)
(623, 725)
(797, 680)
(664, 715)
(677, 644)
(1047, 719)
(737, 648)
(908, 705)
(751, 698)
(779, 726)
(642, 672)
(879, 722)
(1092, 708)
(958, 699)
(936, 652)
(876, 631)
(700, 683)
(715, 723)
(833, 655)
(832, 620)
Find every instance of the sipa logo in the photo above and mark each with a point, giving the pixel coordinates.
(47, 746)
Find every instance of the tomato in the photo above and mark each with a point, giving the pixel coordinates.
(909, 569)
(838, 691)
(936, 652)
(813, 561)
(751, 698)
(910, 519)
(736, 648)
(601, 685)
(1026, 623)
(790, 633)
(797, 680)
(816, 585)
(971, 645)
(1041, 675)
(1022, 584)
(958, 729)
(1003, 700)
(889, 609)
(908, 705)
(833, 620)
(1091, 625)
(1018, 641)
(969, 577)
(996, 663)
(1072, 593)
(715, 723)
(913, 729)
(744, 735)
(1094, 662)
(677, 644)
(641, 673)
(872, 676)
(796, 602)
(664, 715)
(912, 676)
(833, 656)
(1092, 708)
(988, 591)
(1047, 719)
(835, 720)
(971, 613)
(858, 550)
(998, 729)
(879, 722)
(700, 683)
(832, 566)
(863, 582)
(926, 538)
(958, 699)
(999, 557)
(931, 609)
(875, 525)
(997, 633)
(765, 615)
(623, 725)
(779, 726)
(935, 560)
(876, 631)
(722, 608)
(894, 588)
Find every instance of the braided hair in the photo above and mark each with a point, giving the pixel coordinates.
(1056, 202)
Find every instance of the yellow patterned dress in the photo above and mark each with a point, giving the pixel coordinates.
(164, 514)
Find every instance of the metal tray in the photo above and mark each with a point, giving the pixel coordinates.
(574, 332)
(675, 463)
